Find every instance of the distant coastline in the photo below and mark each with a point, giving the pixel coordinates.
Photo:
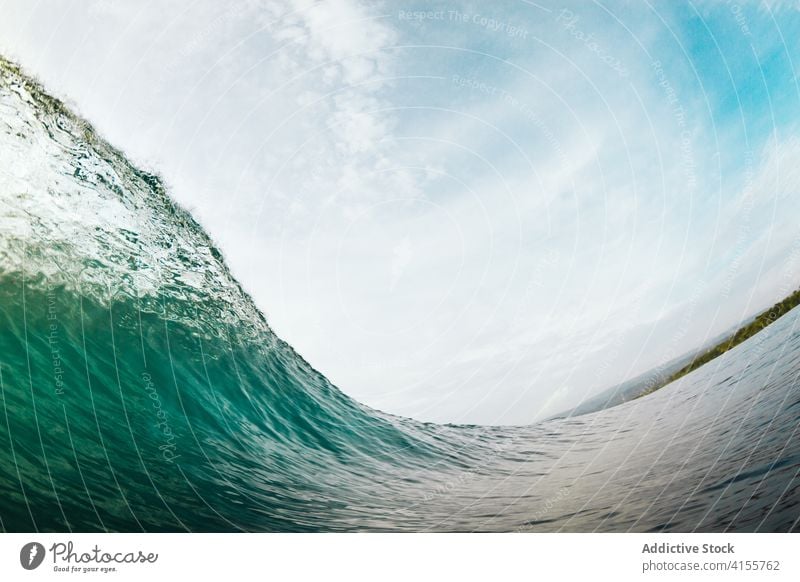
(760, 322)
(675, 369)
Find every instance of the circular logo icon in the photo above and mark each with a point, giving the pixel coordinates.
(31, 555)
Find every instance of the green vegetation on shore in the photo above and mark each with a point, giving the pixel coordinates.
(762, 320)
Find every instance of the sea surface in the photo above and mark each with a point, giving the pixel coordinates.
(142, 390)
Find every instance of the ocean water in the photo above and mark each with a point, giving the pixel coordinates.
(142, 390)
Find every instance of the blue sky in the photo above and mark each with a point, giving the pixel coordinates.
(461, 212)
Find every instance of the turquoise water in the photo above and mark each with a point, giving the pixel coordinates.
(143, 391)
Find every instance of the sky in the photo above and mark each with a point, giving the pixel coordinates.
(460, 212)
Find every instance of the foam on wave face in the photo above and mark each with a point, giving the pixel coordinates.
(77, 213)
